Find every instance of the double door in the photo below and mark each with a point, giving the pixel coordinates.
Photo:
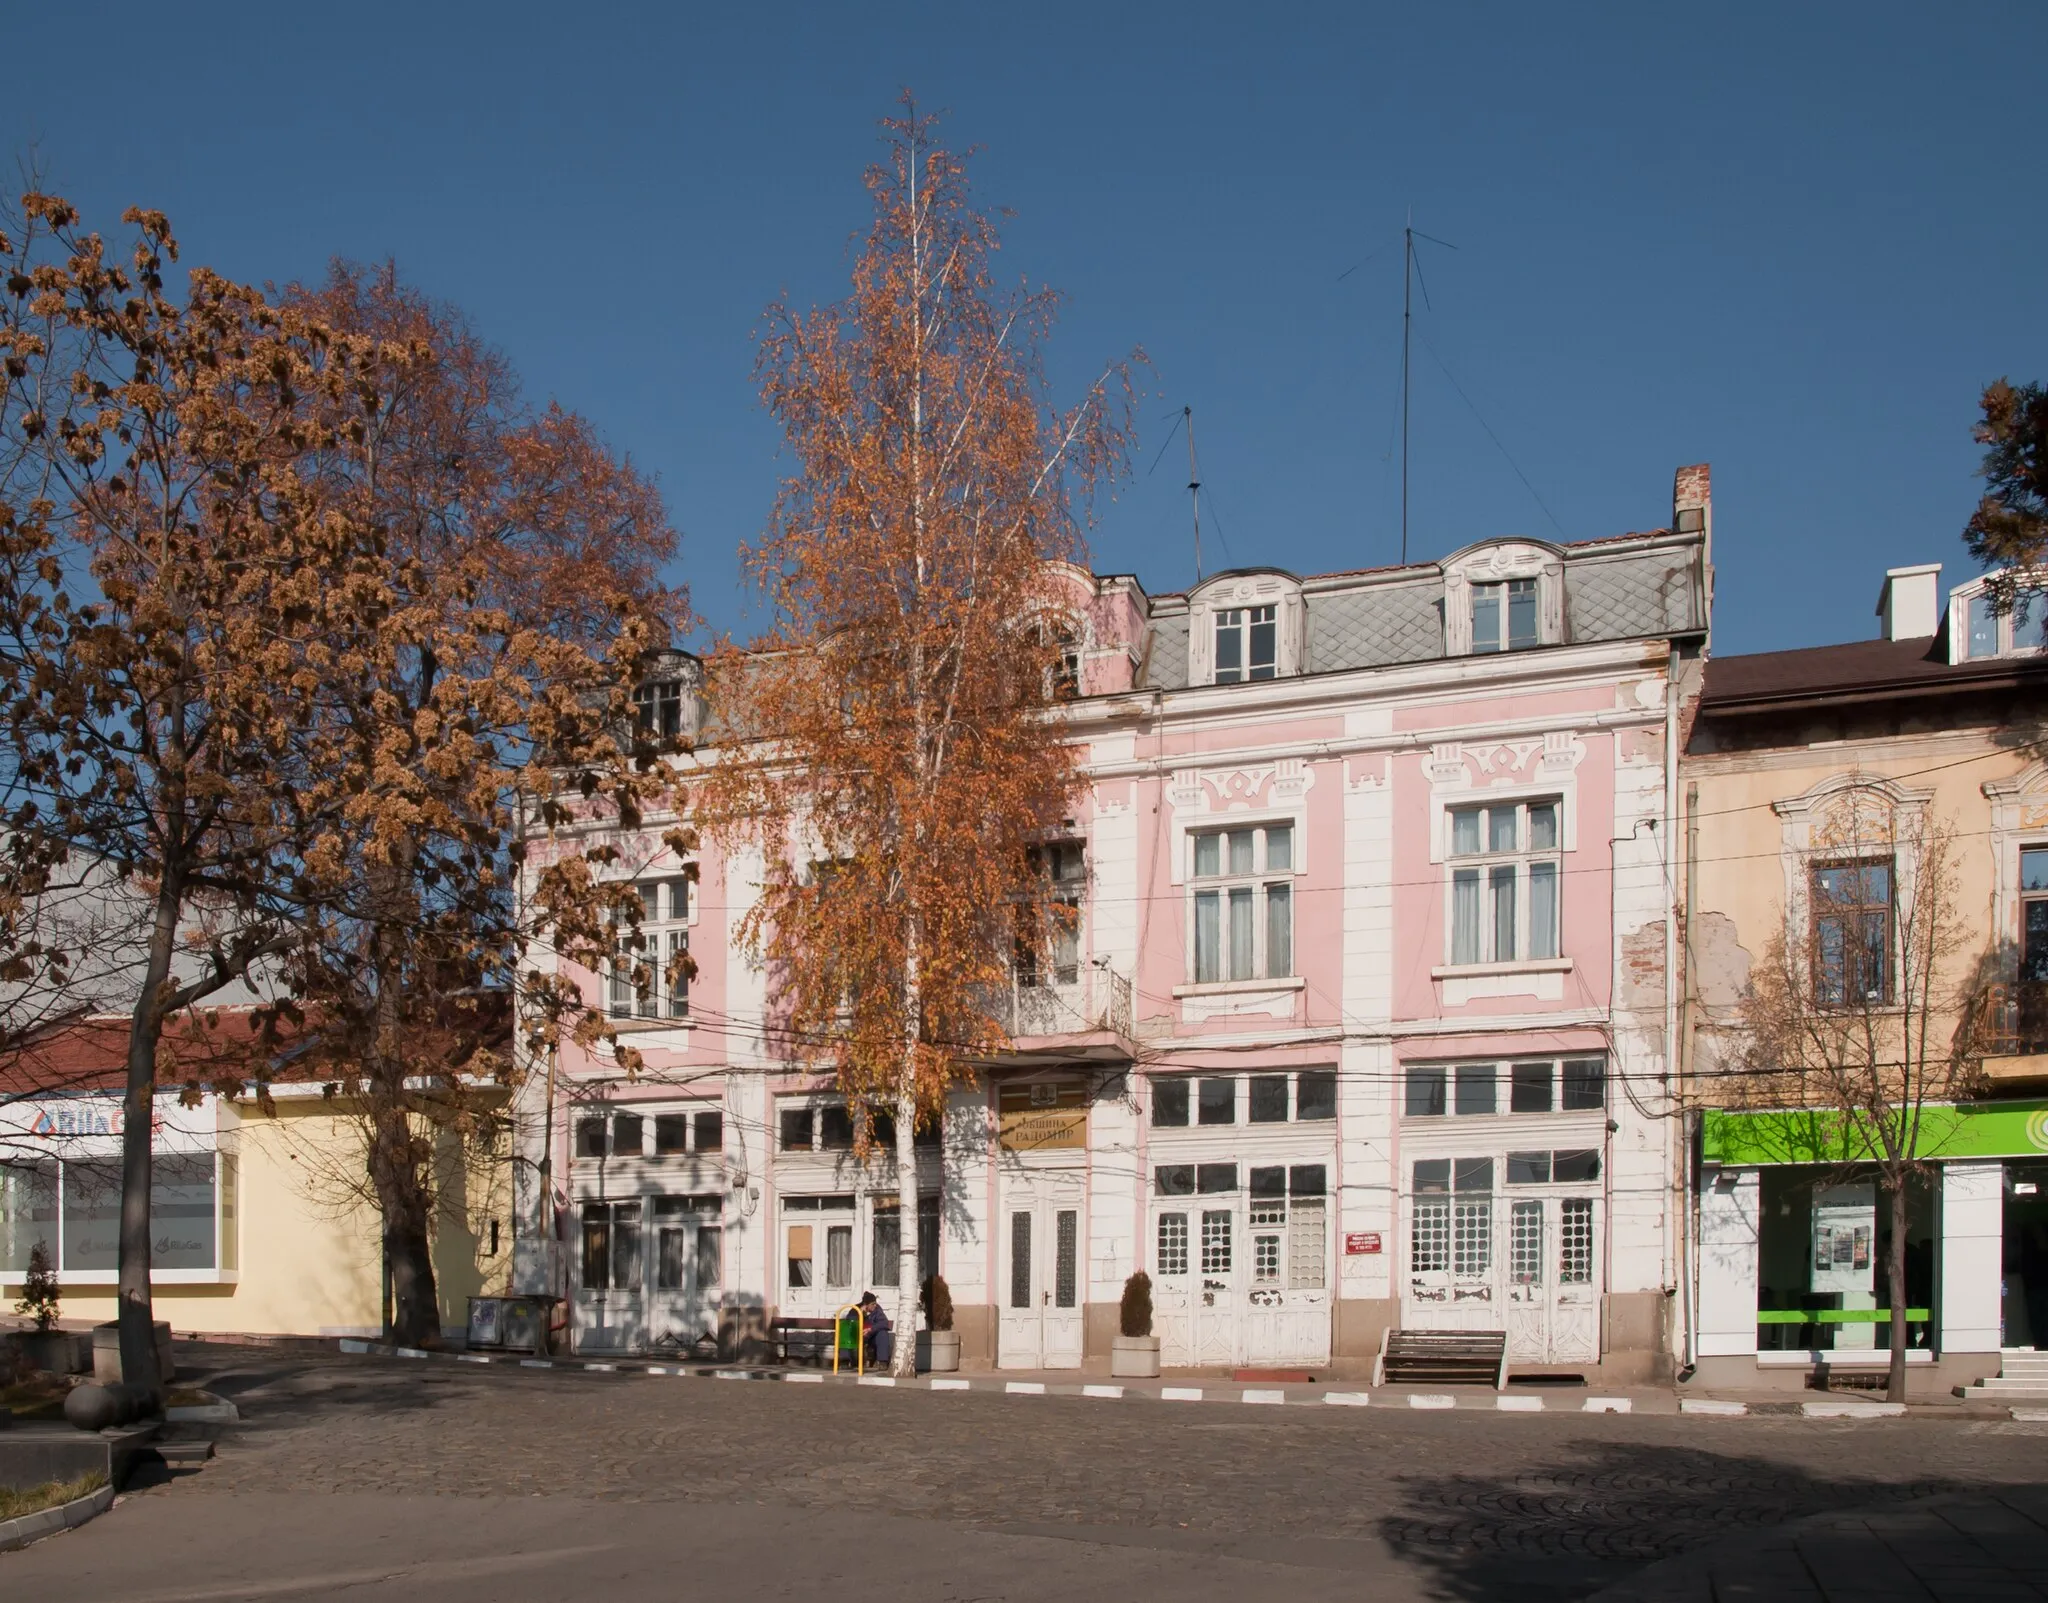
(1242, 1279)
(1528, 1265)
(688, 1266)
(651, 1274)
(1043, 1256)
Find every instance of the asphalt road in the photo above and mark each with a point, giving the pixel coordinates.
(382, 1479)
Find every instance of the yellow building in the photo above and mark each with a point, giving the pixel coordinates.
(1817, 783)
(260, 1218)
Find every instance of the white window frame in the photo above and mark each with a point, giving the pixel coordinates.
(1497, 564)
(1483, 868)
(1239, 593)
(1244, 624)
(666, 933)
(1963, 601)
(1259, 884)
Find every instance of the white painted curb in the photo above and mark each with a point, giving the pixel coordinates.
(1712, 1405)
(1431, 1399)
(1024, 1388)
(1852, 1410)
(1086, 1391)
(1347, 1399)
(1609, 1405)
(1518, 1405)
(937, 1385)
(65, 1516)
(1180, 1394)
(1265, 1397)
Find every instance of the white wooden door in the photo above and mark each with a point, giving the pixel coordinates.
(689, 1260)
(818, 1262)
(1453, 1278)
(1287, 1289)
(1043, 1255)
(611, 1293)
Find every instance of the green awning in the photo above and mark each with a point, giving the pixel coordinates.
(1809, 1135)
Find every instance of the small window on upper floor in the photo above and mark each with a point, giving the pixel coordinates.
(658, 709)
(1504, 596)
(1990, 633)
(1247, 644)
(1504, 615)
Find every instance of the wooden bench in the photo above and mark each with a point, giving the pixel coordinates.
(809, 1338)
(1471, 1357)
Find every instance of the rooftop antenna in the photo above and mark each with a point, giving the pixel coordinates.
(1411, 273)
(1187, 414)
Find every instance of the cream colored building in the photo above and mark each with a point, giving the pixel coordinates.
(1938, 721)
(259, 1220)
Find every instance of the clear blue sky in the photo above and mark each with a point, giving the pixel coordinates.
(1794, 241)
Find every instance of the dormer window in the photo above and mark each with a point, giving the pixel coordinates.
(1988, 633)
(1504, 615)
(658, 709)
(1247, 644)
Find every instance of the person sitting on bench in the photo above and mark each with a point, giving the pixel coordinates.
(876, 1334)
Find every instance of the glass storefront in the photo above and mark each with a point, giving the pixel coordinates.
(1824, 1246)
(2023, 1292)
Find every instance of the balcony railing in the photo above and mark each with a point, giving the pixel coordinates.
(2018, 1018)
(1095, 999)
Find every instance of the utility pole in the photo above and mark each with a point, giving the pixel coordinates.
(1187, 414)
(1407, 277)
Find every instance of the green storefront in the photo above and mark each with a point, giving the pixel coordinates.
(1793, 1237)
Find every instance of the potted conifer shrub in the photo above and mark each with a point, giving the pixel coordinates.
(1134, 1355)
(939, 1340)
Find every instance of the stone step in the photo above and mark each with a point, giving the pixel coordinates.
(2008, 1388)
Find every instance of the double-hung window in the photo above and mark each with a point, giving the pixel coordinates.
(1065, 864)
(652, 980)
(1852, 933)
(1247, 644)
(658, 708)
(1244, 903)
(1504, 615)
(1505, 875)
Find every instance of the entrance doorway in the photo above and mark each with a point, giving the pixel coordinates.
(1043, 1254)
(2024, 1306)
(689, 1271)
(1241, 1276)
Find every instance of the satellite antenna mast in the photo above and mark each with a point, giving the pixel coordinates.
(1411, 273)
(1187, 414)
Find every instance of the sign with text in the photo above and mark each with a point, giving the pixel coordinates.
(1361, 1241)
(1042, 1117)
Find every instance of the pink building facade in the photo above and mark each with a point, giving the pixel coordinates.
(1363, 1027)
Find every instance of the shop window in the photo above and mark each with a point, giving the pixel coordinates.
(1216, 1102)
(1244, 918)
(1170, 1103)
(1852, 933)
(1315, 1094)
(1824, 1236)
(28, 1212)
(1269, 1099)
(1505, 868)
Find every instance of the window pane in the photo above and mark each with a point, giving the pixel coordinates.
(1269, 1099)
(1215, 1177)
(1525, 1244)
(1241, 841)
(181, 1211)
(1308, 1180)
(1543, 827)
(28, 1213)
(1521, 613)
(1173, 1244)
(1020, 1260)
(597, 1249)
(1983, 628)
(835, 1133)
(1432, 1176)
(1465, 830)
(1575, 1166)
(1472, 1239)
(1265, 633)
(1208, 937)
(1465, 916)
(590, 1138)
(1208, 854)
(2030, 619)
(1429, 1239)
(626, 1246)
(628, 1133)
(1425, 1092)
(2034, 869)
(1170, 1102)
(671, 1134)
(710, 1257)
(839, 1255)
(670, 1261)
(1279, 931)
(1315, 1094)
(1066, 1257)
(1216, 1243)
(1279, 847)
(1268, 1181)
(1500, 828)
(1229, 647)
(1217, 1101)
(1543, 909)
(709, 1130)
(1174, 1179)
(678, 974)
(1528, 1168)
(1242, 914)
(1585, 1083)
(886, 1245)
(796, 1129)
(1575, 1241)
(1486, 617)
(1472, 1174)
(1531, 1089)
(1503, 889)
(1475, 1083)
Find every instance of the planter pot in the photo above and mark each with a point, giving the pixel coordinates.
(1134, 1357)
(62, 1352)
(106, 1352)
(938, 1351)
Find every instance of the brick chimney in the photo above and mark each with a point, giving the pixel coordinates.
(1909, 605)
(1692, 512)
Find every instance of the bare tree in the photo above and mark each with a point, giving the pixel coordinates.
(1862, 1007)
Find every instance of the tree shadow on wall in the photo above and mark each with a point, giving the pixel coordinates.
(1599, 1512)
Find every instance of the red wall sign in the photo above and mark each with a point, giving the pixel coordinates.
(1361, 1241)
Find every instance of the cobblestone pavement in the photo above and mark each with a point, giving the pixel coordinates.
(1451, 1504)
